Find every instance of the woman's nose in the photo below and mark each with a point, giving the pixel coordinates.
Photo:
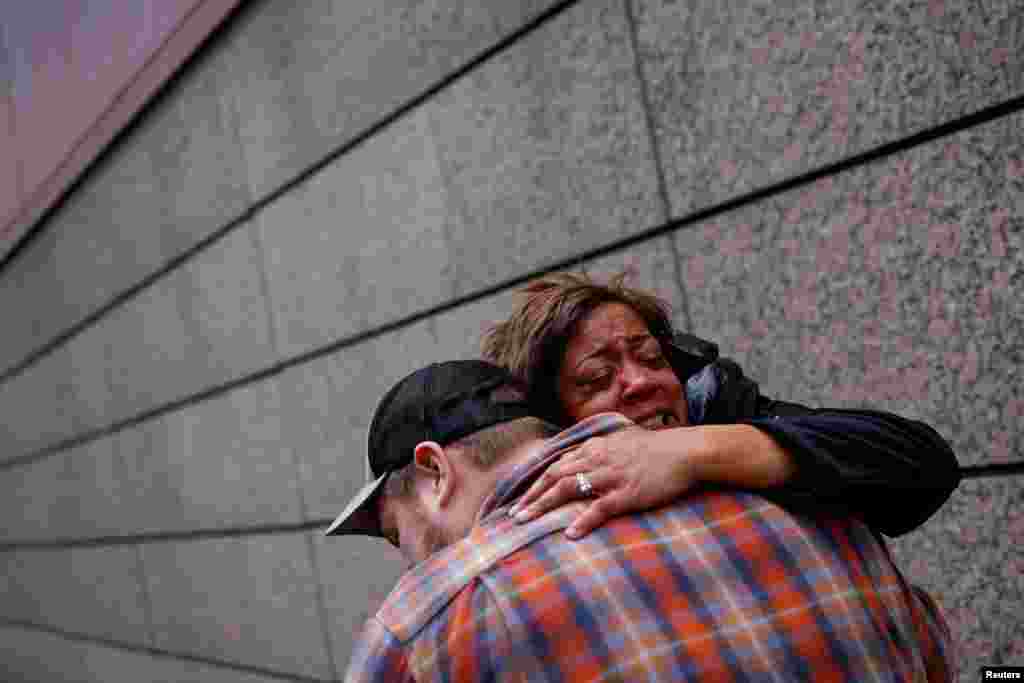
(636, 380)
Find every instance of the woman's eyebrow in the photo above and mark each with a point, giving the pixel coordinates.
(639, 339)
(603, 350)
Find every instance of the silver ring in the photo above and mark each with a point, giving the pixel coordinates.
(583, 485)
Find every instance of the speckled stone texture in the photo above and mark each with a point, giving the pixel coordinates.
(31, 656)
(898, 285)
(545, 149)
(197, 327)
(329, 243)
(218, 464)
(895, 284)
(746, 94)
(87, 591)
(250, 600)
(83, 496)
(313, 75)
(357, 574)
(499, 174)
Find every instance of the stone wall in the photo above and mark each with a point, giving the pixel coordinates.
(335, 193)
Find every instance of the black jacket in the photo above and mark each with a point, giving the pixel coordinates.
(890, 472)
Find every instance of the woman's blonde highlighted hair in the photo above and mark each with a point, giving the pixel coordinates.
(531, 343)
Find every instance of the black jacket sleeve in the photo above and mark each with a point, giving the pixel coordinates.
(891, 472)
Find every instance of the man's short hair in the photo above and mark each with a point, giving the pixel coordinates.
(484, 449)
(531, 343)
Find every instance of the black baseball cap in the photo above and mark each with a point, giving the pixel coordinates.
(442, 402)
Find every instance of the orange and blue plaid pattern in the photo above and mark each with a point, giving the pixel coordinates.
(721, 586)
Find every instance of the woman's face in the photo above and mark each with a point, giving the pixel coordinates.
(614, 364)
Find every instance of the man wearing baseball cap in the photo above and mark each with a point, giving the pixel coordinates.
(721, 585)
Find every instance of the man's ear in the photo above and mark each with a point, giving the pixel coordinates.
(434, 464)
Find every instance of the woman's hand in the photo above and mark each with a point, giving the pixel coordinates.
(631, 470)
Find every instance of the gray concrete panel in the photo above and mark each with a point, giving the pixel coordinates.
(217, 464)
(24, 510)
(37, 407)
(68, 495)
(18, 603)
(249, 600)
(200, 326)
(745, 95)
(90, 393)
(226, 309)
(387, 207)
(361, 243)
(89, 591)
(150, 349)
(14, 304)
(198, 156)
(357, 574)
(25, 297)
(313, 75)
(968, 558)
(896, 285)
(457, 333)
(108, 232)
(545, 149)
(30, 656)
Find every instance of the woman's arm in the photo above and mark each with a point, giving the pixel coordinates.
(851, 461)
(843, 461)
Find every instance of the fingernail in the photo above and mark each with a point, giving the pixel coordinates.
(572, 532)
(522, 516)
(511, 512)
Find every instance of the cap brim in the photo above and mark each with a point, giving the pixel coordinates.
(359, 517)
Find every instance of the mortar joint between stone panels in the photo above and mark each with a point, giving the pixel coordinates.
(1004, 109)
(258, 205)
(257, 241)
(168, 87)
(147, 598)
(656, 159)
(169, 536)
(321, 605)
(157, 652)
(645, 103)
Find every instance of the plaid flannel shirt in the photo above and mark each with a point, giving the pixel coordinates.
(722, 586)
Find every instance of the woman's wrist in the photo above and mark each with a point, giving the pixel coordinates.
(739, 455)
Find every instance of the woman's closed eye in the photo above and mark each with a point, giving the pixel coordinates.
(593, 379)
(654, 359)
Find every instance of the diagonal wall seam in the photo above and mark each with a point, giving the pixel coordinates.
(119, 96)
(659, 167)
(986, 115)
(257, 207)
(157, 652)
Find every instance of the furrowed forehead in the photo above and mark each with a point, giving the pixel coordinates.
(608, 346)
